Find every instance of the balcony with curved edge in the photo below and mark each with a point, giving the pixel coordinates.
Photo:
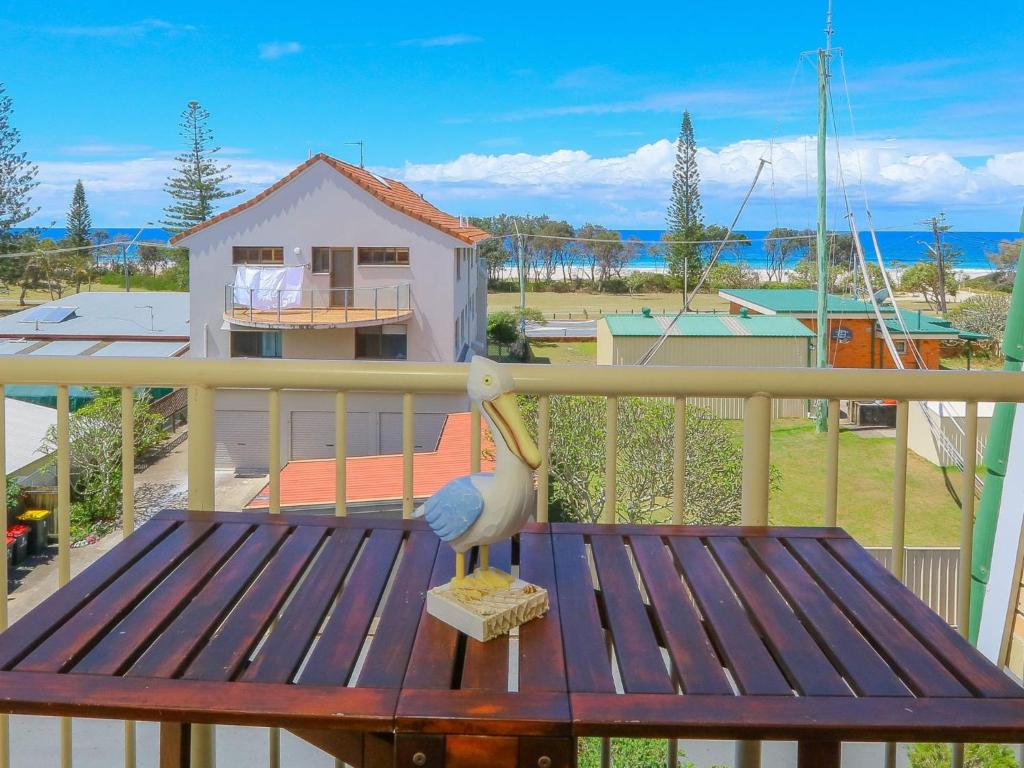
(317, 308)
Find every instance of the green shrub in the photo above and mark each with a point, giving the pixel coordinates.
(502, 327)
(615, 285)
(975, 756)
(13, 496)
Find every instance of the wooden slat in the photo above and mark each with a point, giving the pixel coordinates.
(485, 666)
(918, 668)
(842, 718)
(696, 531)
(586, 659)
(973, 669)
(795, 650)
(27, 633)
(198, 701)
(174, 648)
(866, 671)
(290, 519)
(738, 643)
(527, 713)
(233, 641)
(696, 664)
(335, 653)
(639, 657)
(434, 651)
(123, 643)
(279, 657)
(541, 658)
(388, 657)
(77, 635)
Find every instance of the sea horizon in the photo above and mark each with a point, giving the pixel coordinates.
(898, 247)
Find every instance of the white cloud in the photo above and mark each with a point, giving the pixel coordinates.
(276, 50)
(103, 148)
(443, 41)
(894, 171)
(130, 191)
(130, 29)
(905, 180)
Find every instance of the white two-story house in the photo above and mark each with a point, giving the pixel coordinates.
(333, 263)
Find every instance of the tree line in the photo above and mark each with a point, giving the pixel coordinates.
(31, 261)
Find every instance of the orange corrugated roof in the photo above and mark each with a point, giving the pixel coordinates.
(388, 191)
(379, 478)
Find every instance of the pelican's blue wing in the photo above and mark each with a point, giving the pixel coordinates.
(453, 509)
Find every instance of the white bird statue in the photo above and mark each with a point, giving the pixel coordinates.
(483, 508)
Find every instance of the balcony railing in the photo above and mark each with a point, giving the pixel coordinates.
(756, 387)
(317, 307)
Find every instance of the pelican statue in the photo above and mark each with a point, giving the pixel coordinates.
(480, 509)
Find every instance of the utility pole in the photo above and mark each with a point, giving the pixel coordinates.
(941, 264)
(824, 56)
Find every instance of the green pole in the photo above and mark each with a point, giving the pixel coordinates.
(996, 454)
(822, 313)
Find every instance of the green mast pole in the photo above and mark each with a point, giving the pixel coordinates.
(996, 454)
(822, 310)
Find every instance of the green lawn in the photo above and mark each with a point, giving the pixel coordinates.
(584, 305)
(865, 487)
(564, 352)
(9, 300)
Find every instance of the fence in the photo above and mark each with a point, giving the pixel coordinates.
(757, 388)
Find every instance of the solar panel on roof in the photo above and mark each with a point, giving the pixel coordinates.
(48, 315)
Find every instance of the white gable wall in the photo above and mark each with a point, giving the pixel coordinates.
(320, 207)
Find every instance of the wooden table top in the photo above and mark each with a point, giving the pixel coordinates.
(313, 622)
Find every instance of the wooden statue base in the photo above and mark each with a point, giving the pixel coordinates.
(486, 613)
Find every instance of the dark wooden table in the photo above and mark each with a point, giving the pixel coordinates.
(316, 624)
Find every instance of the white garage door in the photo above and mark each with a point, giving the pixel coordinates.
(313, 434)
(241, 440)
(427, 430)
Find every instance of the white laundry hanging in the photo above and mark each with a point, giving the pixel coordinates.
(268, 288)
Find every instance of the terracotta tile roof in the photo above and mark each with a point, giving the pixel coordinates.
(388, 191)
(379, 478)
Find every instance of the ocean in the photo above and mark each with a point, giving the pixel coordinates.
(898, 247)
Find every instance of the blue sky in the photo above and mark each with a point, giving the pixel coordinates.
(561, 108)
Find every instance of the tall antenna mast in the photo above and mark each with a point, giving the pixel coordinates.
(824, 56)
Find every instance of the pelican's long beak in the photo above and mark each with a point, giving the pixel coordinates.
(504, 412)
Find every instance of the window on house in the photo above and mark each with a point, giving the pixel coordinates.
(387, 342)
(458, 263)
(257, 254)
(383, 256)
(256, 344)
(321, 262)
(901, 347)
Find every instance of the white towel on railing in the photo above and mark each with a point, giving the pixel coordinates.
(267, 288)
(246, 280)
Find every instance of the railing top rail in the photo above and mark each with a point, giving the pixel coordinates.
(601, 380)
(313, 289)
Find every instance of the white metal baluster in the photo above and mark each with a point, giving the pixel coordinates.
(899, 519)
(408, 428)
(967, 488)
(832, 465)
(611, 452)
(340, 454)
(899, 501)
(201, 496)
(64, 531)
(127, 519)
(544, 446)
(679, 461)
(757, 435)
(274, 460)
